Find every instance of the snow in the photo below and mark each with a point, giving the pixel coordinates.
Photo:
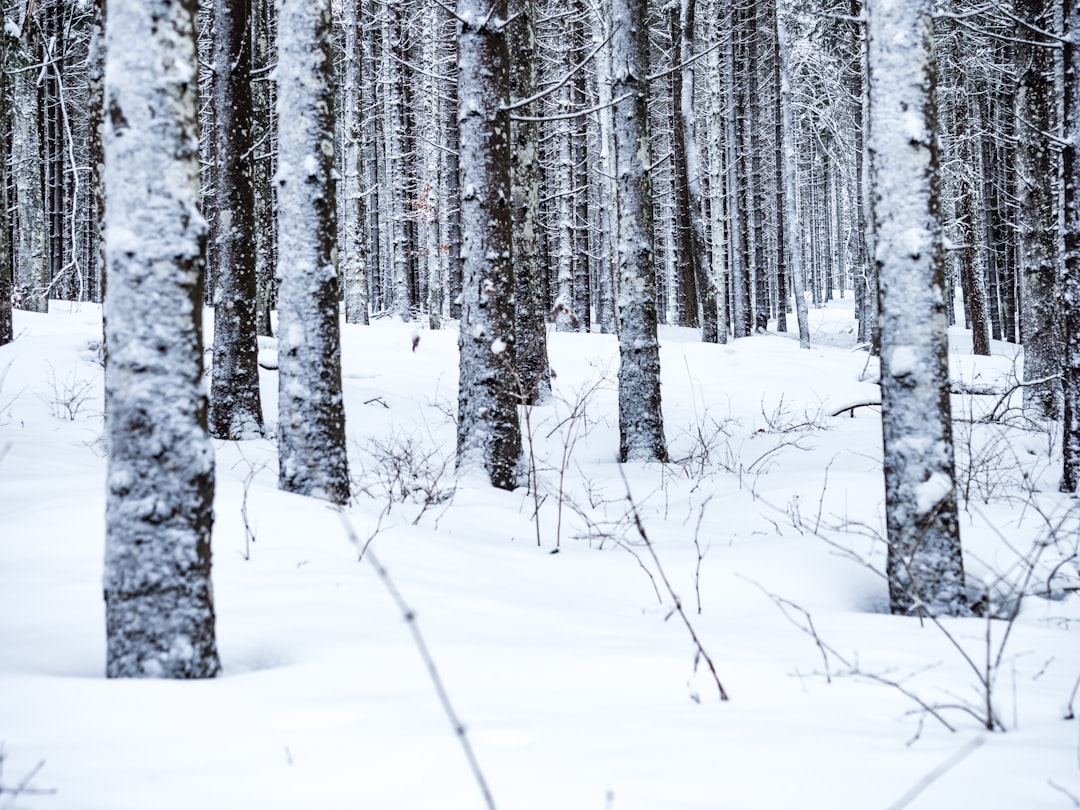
(575, 687)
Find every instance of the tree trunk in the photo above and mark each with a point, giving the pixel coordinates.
(311, 416)
(1070, 298)
(159, 608)
(354, 215)
(489, 435)
(531, 344)
(235, 404)
(924, 565)
(31, 249)
(641, 424)
(792, 231)
(1037, 170)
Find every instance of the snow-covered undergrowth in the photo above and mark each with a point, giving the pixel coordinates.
(577, 685)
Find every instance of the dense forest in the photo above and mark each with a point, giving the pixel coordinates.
(517, 167)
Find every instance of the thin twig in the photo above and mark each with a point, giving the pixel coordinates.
(671, 591)
(418, 639)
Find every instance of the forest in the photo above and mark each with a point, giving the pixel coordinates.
(762, 319)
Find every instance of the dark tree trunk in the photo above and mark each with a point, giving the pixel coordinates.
(489, 435)
(235, 404)
(531, 334)
(311, 415)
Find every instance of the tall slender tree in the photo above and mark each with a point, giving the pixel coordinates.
(1070, 299)
(312, 457)
(7, 333)
(489, 433)
(531, 335)
(159, 608)
(641, 423)
(1037, 171)
(235, 403)
(924, 566)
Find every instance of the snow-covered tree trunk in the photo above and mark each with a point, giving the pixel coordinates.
(641, 423)
(531, 343)
(394, 132)
(719, 225)
(353, 220)
(489, 434)
(565, 321)
(1071, 282)
(736, 214)
(605, 292)
(264, 158)
(7, 333)
(1037, 171)
(924, 565)
(311, 415)
(687, 139)
(792, 232)
(235, 405)
(95, 124)
(31, 247)
(159, 608)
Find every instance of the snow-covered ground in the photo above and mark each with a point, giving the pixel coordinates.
(575, 680)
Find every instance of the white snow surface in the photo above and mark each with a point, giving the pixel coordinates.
(576, 685)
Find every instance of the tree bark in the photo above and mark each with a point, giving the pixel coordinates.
(1037, 170)
(924, 564)
(489, 434)
(1070, 298)
(235, 404)
(641, 424)
(159, 608)
(311, 415)
(532, 359)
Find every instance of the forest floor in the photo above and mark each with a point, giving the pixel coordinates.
(576, 679)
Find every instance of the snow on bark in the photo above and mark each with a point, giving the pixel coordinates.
(1037, 172)
(160, 486)
(7, 333)
(311, 414)
(31, 249)
(354, 213)
(792, 229)
(1071, 282)
(924, 565)
(235, 404)
(531, 333)
(489, 434)
(641, 425)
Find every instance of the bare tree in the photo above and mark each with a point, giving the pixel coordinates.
(311, 414)
(1071, 281)
(1037, 171)
(924, 565)
(641, 423)
(489, 433)
(159, 608)
(235, 404)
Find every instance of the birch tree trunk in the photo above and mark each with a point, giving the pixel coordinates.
(1037, 170)
(235, 404)
(924, 565)
(159, 608)
(641, 424)
(489, 434)
(311, 415)
(531, 344)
